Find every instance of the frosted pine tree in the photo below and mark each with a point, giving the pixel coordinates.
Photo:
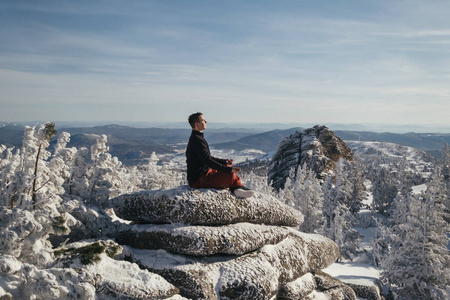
(78, 181)
(156, 175)
(357, 187)
(384, 190)
(308, 197)
(100, 187)
(63, 157)
(418, 261)
(106, 175)
(446, 178)
(9, 167)
(286, 194)
(35, 210)
(338, 218)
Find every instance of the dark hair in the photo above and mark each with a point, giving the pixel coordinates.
(194, 118)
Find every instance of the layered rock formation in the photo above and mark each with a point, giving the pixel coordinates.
(317, 148)
(212, 245)
(202, 207)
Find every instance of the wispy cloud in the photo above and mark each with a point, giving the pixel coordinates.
(242, 61)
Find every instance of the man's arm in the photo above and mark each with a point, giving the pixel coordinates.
(202, 152)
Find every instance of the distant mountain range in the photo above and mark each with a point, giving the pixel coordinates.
(132, 145)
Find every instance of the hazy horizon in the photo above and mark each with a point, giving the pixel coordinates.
(392, 128)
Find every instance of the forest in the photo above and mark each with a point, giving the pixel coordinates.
(44, 192)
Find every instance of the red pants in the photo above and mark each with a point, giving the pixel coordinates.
(217, 180)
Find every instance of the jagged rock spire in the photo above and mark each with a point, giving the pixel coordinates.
(319, 148)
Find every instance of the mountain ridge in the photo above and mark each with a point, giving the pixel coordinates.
(133, 145)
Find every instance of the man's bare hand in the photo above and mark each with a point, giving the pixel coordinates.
(235, 170)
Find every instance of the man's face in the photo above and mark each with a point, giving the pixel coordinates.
(201, 125)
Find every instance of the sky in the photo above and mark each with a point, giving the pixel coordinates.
(318, 62)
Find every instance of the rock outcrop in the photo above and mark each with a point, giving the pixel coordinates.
(318, 148)
(212, 245)
(203, 207)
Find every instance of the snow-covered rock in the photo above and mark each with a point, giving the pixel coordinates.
(255, 275)
(234, 239)
(366, 292)
(315, 285)
(318, 148)
(114, 278)
(203, 207)
(299, 288)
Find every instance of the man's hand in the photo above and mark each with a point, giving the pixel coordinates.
(235, 170)
(230, 161)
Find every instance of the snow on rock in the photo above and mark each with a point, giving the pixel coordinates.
(234, 239)
(362, 278)
(255, 275)
(114, 278)
(315, 285)
(4, 295)
(318, 147)
(203, 207)
(26, 281)
(120, 278)
(299, 288)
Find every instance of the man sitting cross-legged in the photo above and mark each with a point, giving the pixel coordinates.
(206, 171)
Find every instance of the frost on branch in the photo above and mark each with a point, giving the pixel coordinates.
(42, 195)
(32, 199)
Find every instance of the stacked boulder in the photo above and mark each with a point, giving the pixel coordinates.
(211, 245)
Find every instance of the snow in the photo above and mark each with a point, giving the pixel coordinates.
(125, 275)
(419, 188)
(353, 272)
(33, 228)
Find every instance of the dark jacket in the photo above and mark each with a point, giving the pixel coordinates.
(199, 159)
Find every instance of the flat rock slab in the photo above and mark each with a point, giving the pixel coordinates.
(235, 239)
(203, 207)
(256, 275)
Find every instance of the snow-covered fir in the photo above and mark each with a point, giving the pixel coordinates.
(387, 211)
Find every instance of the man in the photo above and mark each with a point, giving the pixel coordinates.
(206, 171)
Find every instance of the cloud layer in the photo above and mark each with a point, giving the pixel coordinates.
(236, 61)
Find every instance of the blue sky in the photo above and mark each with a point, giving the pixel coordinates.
(235, 61)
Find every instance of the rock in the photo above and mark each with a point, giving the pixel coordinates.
(256, 275)
(124, 279)
(318, 148)
(332, 287)
(298, 289)
(366, 292)
(4, 295)
(111, 278)
(233, 239)
(203, 207)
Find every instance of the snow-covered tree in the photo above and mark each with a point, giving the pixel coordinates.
(417, 264)
(446, 178)
(78, 182)
(309, 200)
(35, 207)
(107, 178)
(384, 190)
(10, 163)
(339, 220)
(357, 187)
(158, 175)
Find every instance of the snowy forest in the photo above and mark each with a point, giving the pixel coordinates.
(46, 191)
